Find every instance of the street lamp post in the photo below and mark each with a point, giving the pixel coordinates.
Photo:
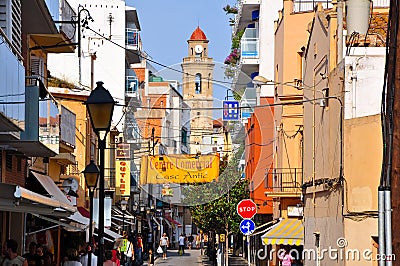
(91, 173)
(100, 105)
(123, 204)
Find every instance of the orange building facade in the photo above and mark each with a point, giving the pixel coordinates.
(259, 156)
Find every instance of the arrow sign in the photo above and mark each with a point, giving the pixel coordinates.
(247, 227)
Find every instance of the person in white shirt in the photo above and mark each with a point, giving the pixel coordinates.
(164, 243)
(85, 257)
(181, 244)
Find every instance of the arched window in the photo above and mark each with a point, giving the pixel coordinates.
(197, 83)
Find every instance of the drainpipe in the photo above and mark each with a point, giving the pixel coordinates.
(388, 226)
(381, 223)
(339, 10)
(353, 93)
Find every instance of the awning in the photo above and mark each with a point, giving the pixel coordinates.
(31, 148)
(51, 188)
(68, 227)
(286, 232)
(168, 218)
(14, 198)
(79, 218)
(121, 214)
(112, 233)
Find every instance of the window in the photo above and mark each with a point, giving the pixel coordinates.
(197, 83)
(184, 137)
(9, 161)
(19, 164)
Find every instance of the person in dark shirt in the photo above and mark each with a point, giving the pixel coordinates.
(31, 256)
(39, 256)
(151, 258)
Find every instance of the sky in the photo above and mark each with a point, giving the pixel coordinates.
(166, 25)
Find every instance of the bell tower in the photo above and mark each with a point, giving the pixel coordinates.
(198, 88)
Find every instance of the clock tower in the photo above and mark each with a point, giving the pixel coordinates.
(198, 88)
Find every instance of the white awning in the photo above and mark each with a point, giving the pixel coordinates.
(122, 220)
(14, 198)
(51, 188)
(112, 233)
(68, 227)
(79, 218)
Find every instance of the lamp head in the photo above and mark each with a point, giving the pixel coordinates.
(100, 105)
(260, 80)
(91, 174)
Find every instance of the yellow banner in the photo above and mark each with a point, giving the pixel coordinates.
(123, 178)
(179, 169)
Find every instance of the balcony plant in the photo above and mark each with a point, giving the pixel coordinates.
(230, 9)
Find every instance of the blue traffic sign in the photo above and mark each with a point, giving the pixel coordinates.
(247, 227)
(231, 111)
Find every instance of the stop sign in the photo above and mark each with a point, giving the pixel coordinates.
(246, 208)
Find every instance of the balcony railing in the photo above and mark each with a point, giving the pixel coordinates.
(285, 180)
(309, 5)
(132, 38)
(249, 44)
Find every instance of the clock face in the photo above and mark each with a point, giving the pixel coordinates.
(198, 48)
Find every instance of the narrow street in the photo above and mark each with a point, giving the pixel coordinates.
(191, 257)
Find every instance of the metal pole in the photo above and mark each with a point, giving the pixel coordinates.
(248, 251)
(123, 234)
(102, 146)
(339, 31)
(388, 226)
(381, 223)
(91, 195)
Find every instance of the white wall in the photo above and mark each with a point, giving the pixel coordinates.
(109, 66)
(268, 15)
(364, 74)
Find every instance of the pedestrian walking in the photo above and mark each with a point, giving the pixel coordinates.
(72, 258)
(150, 261)
(108, 257)
(164, 243)
(285, 258)
(116, 257)
(11, 256)
(190, 241)
(139, 249)
(198, 241)
(85, 257)
(181, 240)
(31, 256)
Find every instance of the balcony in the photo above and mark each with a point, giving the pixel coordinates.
(249, 58)
(132, 92)
(39, 18)
(284, 182)
(309, 5)
(249, 44)
(244, 15)
(133, 44)
(248, 101)
(12, 88)
(61, 10)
